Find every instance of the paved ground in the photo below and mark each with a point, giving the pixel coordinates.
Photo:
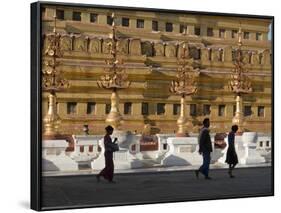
(84, 190)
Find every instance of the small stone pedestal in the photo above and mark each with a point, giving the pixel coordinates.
(251, 155)
(86, 149)
(182, 151)
(54, 156)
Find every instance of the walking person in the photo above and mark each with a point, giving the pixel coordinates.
(231, 156)
(205, 149)
(110, 147)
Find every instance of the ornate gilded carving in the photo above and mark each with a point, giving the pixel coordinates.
(239, 84)
(255, 58)
(66, 43)
(146, 129)
(80, 43)
(205, 54)
(52, 80)
(185, 84)
(122, 46)
(46, 42)
(228, 54)
(170, 50)
(221, 54)
(135, 47)
(215, 55)
(115, 78)
(106, 46)
(146, 48)
(95, 45)
(246, 57)
(266, 57)
(194, 52)
(180, 49)
(158, 49)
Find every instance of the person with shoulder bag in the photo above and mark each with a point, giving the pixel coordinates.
(110, 147)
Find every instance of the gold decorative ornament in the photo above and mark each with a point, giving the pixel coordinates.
(52, 81)
(240, 84)
(115, 78)
(185, 85)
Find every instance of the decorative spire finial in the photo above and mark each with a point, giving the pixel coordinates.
(55, 18)
(113, 20)
(240, 36)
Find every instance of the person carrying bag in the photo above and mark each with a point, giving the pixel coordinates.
(110, 147)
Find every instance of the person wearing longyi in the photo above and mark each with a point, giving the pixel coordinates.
(108, 171)
(231, 156)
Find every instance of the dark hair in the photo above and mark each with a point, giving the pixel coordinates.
(234, 128)
(109, 128)
(205, 121)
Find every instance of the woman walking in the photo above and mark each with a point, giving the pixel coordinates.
(231, 156)
(108, 171)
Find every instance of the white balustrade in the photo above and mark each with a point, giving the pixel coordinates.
(182, 151)
(86, 149)
(89, 150)
(251, 156)
(264, 147)
(54, 157)
(123, 159)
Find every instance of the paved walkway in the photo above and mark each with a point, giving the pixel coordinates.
(149, 169)
(167, 186)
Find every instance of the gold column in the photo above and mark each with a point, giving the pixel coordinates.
(176, 28)
(267, 111)
(216, 33)
(190, 29)
(50, 12)
(228, 34)
(240, 84)
(264, 36)
(81, 108)
(102, 19)
(182, 120)
(133, 23)
(68, 14)
(62, 108)
(114, 79)
(238, 119)
(52, 81)
(136, 108)
(147, 24)
(100, 109)
(114, 117)
(183, 86)
(51, 120)
(85, 17)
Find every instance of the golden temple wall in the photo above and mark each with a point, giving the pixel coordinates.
(150, 58)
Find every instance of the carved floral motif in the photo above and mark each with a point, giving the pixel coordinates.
(135, 47)
(80, 43)
(146, 48)
(170, 50)
(95, 45)
(66, 43)
(158, 49)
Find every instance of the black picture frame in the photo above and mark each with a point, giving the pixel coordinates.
(36, 105)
